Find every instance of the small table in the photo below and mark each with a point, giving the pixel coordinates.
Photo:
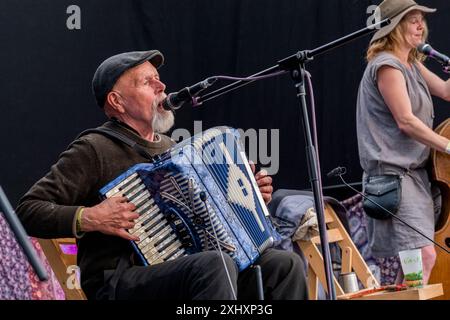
(423, 293)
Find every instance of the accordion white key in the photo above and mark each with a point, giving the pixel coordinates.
(175, 219)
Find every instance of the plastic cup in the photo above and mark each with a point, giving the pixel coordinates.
(411, 261)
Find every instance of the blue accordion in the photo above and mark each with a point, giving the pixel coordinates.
(200, 195)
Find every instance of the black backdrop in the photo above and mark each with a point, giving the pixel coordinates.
(46, 71)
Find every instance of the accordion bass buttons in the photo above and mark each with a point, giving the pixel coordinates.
(198, 221)
(186, 235)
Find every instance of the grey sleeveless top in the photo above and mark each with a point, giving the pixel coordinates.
(380, 141)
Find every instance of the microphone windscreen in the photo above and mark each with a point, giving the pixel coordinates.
(171, 102)
(424, 48)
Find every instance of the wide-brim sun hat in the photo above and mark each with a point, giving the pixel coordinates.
(395, 10)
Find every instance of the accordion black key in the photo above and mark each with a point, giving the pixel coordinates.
(176, 219)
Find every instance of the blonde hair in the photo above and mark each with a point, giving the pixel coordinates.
(393, 40)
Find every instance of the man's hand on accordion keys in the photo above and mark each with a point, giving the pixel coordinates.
(112, 216)
(264, 183)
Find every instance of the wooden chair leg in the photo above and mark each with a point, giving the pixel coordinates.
(313, 284)
(346, 264)
(316, 263)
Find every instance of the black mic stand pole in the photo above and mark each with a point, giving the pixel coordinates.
(295, 64)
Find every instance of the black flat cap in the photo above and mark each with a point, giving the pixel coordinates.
(112, 68)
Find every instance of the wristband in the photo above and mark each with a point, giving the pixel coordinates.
(78, 231)
(79, 220)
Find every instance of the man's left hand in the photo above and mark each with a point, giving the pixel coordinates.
(264, 183)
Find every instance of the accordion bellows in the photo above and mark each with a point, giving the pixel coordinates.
(201, 195)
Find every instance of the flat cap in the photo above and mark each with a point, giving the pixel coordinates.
(111, 69)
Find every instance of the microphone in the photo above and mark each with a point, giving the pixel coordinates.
(340, 171)
(428, 50)
(337, 172)
(175, 100)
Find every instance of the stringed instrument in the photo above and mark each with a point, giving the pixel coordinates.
(441, 177)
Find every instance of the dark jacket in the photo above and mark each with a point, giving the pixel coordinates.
(48, 209)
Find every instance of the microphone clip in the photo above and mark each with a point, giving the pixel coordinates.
(446, 69)
(339, 171)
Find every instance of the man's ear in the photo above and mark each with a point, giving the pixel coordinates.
(115, 101)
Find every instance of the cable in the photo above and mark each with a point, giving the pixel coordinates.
(197, 101)
(343, 171)
(203, 198)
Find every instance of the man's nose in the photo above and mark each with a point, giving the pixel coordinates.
(160, 86)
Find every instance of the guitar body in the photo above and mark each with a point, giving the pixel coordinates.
(441, 177)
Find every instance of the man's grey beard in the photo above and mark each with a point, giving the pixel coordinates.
(162, 120)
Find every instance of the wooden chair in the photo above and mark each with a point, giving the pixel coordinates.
(352, 261)
(64, 265)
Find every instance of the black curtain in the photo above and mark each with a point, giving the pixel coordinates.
(46, 71)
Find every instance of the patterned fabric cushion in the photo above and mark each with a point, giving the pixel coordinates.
(14, 280)
(50, 289)
(385, 269)
(18, 280)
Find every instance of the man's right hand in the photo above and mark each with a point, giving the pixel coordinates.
(112, 216)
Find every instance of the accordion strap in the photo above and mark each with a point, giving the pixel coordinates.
(115, 135)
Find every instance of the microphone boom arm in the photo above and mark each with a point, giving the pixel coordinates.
(297, 58)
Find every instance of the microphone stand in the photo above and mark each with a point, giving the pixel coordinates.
(295, 64)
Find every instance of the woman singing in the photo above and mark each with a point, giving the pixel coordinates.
(394, 122)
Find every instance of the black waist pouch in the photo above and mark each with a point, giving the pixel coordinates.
(385, 190)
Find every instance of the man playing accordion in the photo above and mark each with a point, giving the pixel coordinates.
(65, 203)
